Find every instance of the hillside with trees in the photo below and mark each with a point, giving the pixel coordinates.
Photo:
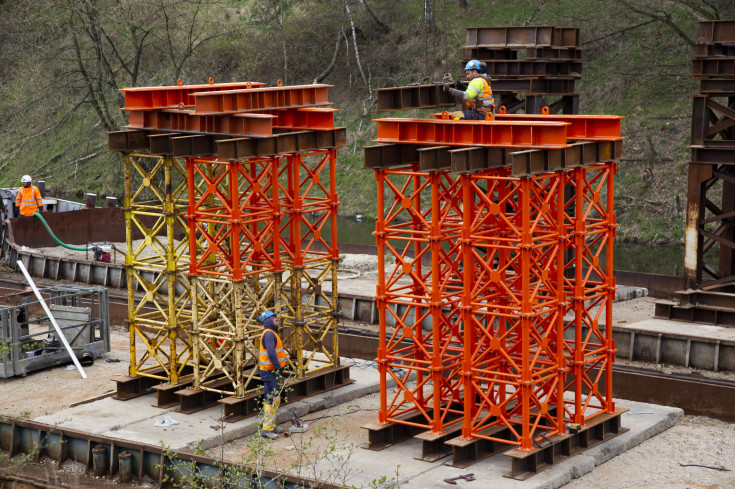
(62, 64)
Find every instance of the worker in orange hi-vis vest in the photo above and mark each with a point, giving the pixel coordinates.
(272, 362)
(29, 198)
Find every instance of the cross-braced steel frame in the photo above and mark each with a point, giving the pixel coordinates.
(510, 257)
(419, 294)
(512, 251)
(257, 220)
(309, 306)
(236, 272)
(159, 321)
(590, 290)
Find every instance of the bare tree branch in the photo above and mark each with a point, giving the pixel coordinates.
(381, 26)
(331, 66)
(663, 17)
(354, 41)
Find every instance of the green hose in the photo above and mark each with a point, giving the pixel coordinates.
(45, 224)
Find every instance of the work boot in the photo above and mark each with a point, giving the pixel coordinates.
(276, 430)
(271, 435)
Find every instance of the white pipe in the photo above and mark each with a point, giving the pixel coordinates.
(51, 317)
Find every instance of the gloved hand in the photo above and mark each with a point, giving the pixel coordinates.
(456, 93)
(446, 88)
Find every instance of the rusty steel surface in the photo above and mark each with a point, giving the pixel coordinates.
(482, 158)
(192, 145)
(73, 227)
(531, 68)
(545, 53)
(522, 37)
(473, 133)
(431, 96)
(716, 31)
(575, 155)
(413, 97)
(175, 96)
(710, 228)
(696, 395)
(166, 467)
(713, 68)
(257, 99)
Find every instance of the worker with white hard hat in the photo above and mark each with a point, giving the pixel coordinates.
(29, 199)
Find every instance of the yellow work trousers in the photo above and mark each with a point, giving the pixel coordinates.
(269, 414)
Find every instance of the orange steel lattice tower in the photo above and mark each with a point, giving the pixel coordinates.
(421, 289)
(511, 255)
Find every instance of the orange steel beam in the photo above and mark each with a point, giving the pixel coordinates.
(228, 101)
(539, 134)
(175, 96)
(314, 118)
(581, 127)
(187, 121)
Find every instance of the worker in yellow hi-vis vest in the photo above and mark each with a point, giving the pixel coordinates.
(478, 97)
(29, 199)
(272, 362)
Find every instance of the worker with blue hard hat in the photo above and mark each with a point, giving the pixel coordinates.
(272, 358)
(478, 97)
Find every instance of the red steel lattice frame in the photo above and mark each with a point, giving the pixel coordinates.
(590, 287)
(235, 212)
(413, 293)
(513, 365)
(311, 257)
(511, 235)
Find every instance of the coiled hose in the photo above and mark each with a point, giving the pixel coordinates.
(45, 224)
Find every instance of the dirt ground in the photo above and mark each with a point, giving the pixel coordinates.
(653, 464)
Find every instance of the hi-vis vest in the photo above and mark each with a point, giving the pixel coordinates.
(485, 98)
(28, 200)
(265, 362)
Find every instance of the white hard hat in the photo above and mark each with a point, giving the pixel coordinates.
(26, 179)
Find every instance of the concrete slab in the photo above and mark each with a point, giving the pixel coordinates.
(134, 420)
(643, 420)
(683, 329)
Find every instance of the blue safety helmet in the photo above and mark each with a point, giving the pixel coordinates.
(265, 315)
(473, 64)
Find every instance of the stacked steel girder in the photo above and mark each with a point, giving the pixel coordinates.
(552, 63)
(245, 214)
(709, 258)
(545, 76)
(498, 278)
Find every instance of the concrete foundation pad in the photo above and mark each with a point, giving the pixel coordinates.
(134, 420)
(643, 421)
